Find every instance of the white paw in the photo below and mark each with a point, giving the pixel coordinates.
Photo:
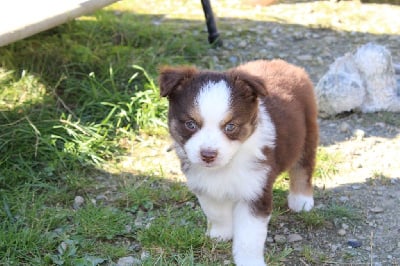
(298, 202)
(247, 261)
(222, 233)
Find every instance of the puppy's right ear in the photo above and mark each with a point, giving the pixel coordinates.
(172, 78)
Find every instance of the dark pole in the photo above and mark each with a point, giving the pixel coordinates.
(213, 35)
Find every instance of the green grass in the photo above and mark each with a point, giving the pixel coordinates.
(72, 100)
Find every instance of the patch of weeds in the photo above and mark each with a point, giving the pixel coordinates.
(148, 193)
(275, 257)
(326, 164)
(175, 231)
(312, 219)
(379, 178)
(311, 256)
(389, 118)
(340, 211)
(67, 255)
(101, 222)
(26, 225)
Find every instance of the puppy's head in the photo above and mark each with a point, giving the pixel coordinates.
(210, 113)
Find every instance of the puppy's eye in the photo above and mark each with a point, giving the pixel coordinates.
(191, 125)
(230, 127)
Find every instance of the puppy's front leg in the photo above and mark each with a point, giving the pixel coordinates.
(249, 234)
(219, 217)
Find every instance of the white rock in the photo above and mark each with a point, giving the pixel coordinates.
(375, 65)
(128, 261)
(78, 202)
(341, 232)
(377, 210)
(344, 127)
(280, 239)
(341, 88)
(359, 134)
(294, 238)
(364, 81)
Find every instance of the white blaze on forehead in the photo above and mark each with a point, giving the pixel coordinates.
(213, 101)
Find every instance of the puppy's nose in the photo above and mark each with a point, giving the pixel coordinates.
(208, 155)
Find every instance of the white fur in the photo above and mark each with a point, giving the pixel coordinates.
(249, 237)
(226, 187)
(219, 217)
(298, 202)
(243, 177)
(213, 102)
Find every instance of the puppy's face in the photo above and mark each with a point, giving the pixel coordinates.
(210, 114)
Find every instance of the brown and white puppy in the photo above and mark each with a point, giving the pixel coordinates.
(234, 133)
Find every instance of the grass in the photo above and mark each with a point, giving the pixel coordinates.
(76, 99)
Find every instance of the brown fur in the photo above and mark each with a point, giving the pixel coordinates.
(292, 107)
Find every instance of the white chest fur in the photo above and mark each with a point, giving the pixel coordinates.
(244, 177)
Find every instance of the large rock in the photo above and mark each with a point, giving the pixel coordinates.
(363, 81)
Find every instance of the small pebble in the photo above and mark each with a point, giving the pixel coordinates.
(341, 232)
(280, 239)
(78, 202)
(294, 238)
(344, 199)
(376, 210)
(345, 226)
(344, 127)
(270, 239)
(305, 57)
(128, 261)
(242, 44)
(354, 243)
(233, 60)
(359, 134)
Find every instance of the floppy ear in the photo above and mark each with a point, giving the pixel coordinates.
(171, 78)
(251, 86)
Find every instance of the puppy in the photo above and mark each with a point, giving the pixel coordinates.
(234, 133)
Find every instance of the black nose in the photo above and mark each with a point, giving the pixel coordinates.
(208, 156)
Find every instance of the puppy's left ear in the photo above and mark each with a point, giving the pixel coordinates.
(173, 78)
(249, 84)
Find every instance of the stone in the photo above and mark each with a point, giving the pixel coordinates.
(340, 89)
(344, 127)
(305, 57)
(345, 226)
(344, 199)
(377, 210)
(374, 63)
(359, 134)
(128, 261)
(354, 243)
(294, 238)
(78, 202)
(242, 44)
(280, 239)
(341, 232)
(362, 81)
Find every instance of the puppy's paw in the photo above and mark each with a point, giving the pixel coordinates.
(248, 261)
(298, 202)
